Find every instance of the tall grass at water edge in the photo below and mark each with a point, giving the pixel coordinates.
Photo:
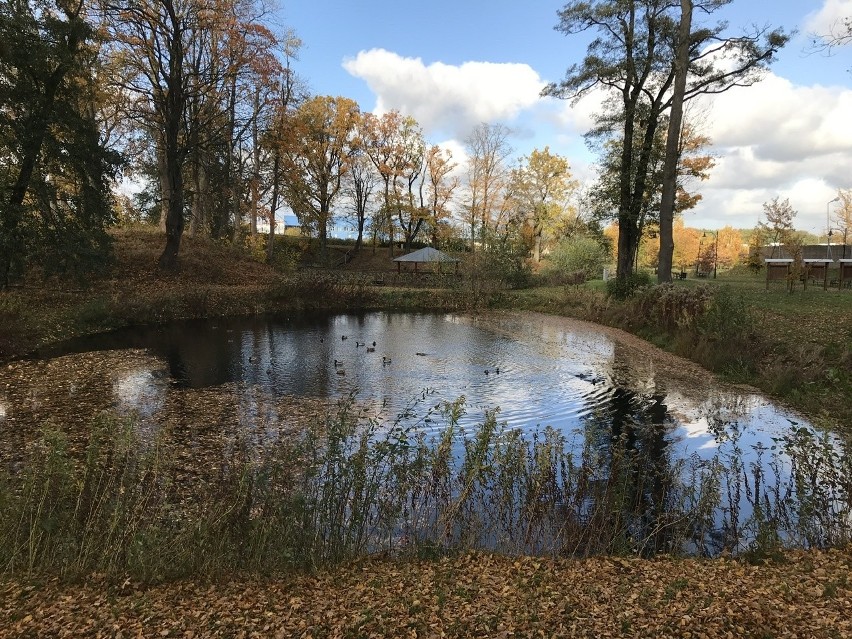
(350, 486)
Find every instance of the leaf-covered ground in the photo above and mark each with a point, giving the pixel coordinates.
(809, 594)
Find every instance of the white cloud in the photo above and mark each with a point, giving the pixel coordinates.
(828, 18)
(776, 139)
(446, 98)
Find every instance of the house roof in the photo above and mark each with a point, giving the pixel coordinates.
(427, 254)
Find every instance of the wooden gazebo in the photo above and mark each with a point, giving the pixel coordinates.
(426, 255)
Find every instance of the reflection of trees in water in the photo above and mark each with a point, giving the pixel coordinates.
(628, 500)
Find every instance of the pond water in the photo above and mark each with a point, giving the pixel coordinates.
(584, 381)
(539, 371)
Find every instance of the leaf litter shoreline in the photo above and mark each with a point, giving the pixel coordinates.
(807, 594)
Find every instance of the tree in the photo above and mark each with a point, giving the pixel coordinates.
(290, 93)
(54, 165)
(440, 187)
(840, 34)
(380, 142)
(488, 149)
(363, 180)
(667, 198)
(842, 219)
(779, 221)
(153, 37)
(542, 186)
(633, 59)
(409, 171)
(688, 244)
(692, 165)
(316, 152)
(730, 247)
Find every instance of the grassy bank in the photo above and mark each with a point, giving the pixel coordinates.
(158, 506)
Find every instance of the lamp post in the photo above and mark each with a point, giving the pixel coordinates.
(828, 227)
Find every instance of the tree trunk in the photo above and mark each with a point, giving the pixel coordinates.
(667, 203)
(174, 219)
(199, 199)
(174, 109)
(273, 206)
(255, 172)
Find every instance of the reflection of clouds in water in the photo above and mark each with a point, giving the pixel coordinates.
(140, 390)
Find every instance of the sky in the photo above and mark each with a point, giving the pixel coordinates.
(454, 64)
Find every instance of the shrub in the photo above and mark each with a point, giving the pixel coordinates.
(577, 254)
(625, 287)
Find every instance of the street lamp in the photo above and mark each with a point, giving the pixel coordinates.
(828, 227)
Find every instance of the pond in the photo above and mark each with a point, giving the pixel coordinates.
(608, 395)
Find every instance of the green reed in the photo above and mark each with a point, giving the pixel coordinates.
(350, 485)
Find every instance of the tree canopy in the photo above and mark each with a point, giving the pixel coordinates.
(633, 59)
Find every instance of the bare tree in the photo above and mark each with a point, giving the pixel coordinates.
(488, 150)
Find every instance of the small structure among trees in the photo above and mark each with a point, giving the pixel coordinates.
(426, 255)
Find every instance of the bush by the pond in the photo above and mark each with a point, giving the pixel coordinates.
(623, 288)
(580, 254)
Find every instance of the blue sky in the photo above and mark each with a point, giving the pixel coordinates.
(452, 65)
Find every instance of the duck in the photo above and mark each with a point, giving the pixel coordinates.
(336, 363)
(386, 360)
(357, 343)
(343, 337)
(421, 354)
(371, 349)
(340, 371)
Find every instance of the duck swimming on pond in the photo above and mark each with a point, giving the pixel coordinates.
(385, 360)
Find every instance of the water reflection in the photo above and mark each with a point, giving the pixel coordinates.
(538, 371)
(656, 432)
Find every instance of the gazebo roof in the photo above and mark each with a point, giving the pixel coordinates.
(427, 254)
